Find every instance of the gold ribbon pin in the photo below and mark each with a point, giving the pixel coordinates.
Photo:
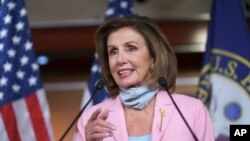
(162, 113)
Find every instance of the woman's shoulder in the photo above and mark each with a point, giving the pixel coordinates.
(189, 102)
(185, 97)
(182, 99)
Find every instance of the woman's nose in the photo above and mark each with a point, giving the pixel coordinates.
(121, 58)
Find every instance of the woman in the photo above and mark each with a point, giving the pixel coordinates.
(133, 54)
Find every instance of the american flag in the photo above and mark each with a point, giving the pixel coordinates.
(116, 8)
(24, 112)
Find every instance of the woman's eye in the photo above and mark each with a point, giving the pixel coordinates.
(112, 51)
(131, 48)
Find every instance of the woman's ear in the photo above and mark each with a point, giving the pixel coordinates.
(152, 67)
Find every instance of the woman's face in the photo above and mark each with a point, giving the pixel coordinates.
(129, 58)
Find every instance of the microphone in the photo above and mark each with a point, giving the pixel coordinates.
(98, 86)
(163, 82)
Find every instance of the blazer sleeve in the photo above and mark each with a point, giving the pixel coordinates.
(80, 134)
(203, 129)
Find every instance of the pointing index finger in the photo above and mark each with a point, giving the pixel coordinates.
(95, 114)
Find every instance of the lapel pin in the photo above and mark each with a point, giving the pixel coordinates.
(162, 114)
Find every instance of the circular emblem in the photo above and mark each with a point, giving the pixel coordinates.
(232, 111)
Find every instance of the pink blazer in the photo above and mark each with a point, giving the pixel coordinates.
(173, 127)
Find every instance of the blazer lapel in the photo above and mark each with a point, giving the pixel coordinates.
(162, 115)
(118, 119)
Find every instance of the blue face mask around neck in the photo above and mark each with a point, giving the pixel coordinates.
(137, 98)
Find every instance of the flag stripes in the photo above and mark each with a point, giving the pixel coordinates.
(23, 119)
(36, 116)
(9, 119)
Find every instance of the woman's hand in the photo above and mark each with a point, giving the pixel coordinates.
(97, 128)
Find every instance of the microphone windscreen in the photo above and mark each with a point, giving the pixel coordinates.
(162, 81)
(99, 84)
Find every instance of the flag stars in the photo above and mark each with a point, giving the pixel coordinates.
(34, 66)
(1, 46)
(1, 95)
(28, 45)
(7, 19)
(16, 40)
(32, 81)
(19, 26)
(2, 1)
(20, 74)
(3, 81)
(23, 12)
(3, 33)
(124, 4)
(16, 88)
(96, 56)
(24, 60)
(7, 67)
(110, 11)
(94, 68)
(11, 52)
(11, 5)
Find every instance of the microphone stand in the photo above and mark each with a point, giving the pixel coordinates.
(99, 85)
(163, 82)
